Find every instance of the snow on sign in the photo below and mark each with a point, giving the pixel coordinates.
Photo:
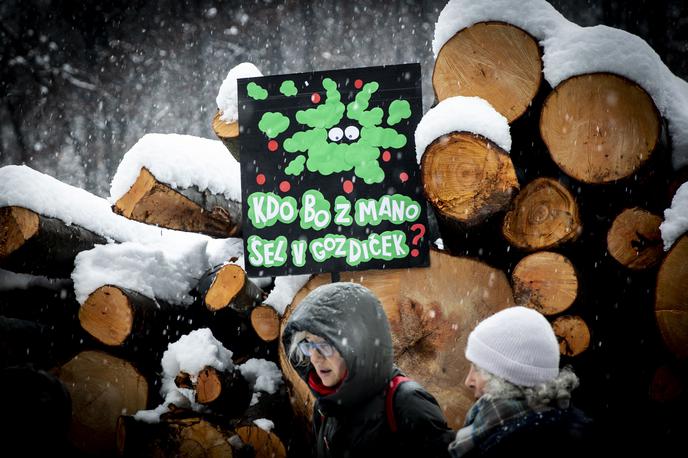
(328, 171)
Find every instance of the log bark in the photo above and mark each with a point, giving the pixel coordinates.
(225, 392)
(599, 128)
(635, 240)
(102, 388)
(546, 282)
(190, 436)
(119, 317)
(467, 178)
(228, 133)
(431, 312)
(40, 245)
(573, 335)
(543, 215)
(153, 202)
(671, 299)
(495, 61)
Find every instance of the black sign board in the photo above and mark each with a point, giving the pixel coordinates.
(328, 171)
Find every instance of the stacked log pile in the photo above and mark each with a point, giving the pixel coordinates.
(581, 238)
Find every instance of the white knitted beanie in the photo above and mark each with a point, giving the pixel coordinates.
(517, 344)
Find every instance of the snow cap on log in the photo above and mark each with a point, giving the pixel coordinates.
(22, 186)
(675, 218)
(571, 50)
(181, 161)
(537, 17)
(227, 98)
(462, 114)
(582, 50)
(284, 291)
(158, 271)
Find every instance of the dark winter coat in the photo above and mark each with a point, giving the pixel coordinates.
(352, 421)
(508, 428)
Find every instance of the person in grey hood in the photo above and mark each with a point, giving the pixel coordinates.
(339, 341)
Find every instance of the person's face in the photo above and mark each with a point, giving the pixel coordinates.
(476, 382)
(330, 369)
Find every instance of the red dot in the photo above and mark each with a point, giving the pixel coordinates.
(358, 84)
(315, 97)
(415, 253)
(285, 186)
(273, 145)
(260, 179)
(403, 176)
(348, 186)
(386, 156)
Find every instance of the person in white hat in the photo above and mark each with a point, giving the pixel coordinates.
(523, 398)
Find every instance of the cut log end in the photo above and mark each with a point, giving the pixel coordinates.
(600, 127)
(635, 240)
(209, 386)
(265, 444)
(152, 202)
(266, 322)
(17, 225)
(671, 299)
(543, 215)
(107, 315)
(573, 335)
(495, 61)
(228, 283)
(467, 178)
(224, 129)
(546, 282)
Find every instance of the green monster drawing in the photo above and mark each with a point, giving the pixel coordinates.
(339, 138)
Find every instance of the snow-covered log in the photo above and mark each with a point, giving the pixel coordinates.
(37, 244)
(228, 133)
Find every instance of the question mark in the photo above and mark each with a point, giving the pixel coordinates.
(414, 240)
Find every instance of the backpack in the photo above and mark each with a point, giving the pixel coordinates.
(389, 400)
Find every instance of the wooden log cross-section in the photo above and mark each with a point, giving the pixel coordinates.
(223, 391)
(495, 61)
(671, 299)
(467, 178)
(40, 245)
(102, 388)
(431, 312)
(119, 317)
(599, 128)
(228, 287)
(546, 282)
(543, 215)
(572, 333)
(153, 202)
(635, 240)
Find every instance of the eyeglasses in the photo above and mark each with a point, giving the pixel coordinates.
(323, 348)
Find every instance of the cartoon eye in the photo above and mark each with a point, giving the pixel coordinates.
(335, 134)
(351, 132)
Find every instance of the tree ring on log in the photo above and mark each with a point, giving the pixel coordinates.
(467, 178)
(543, 215)
(498, 62)
(599, 127)
(107, 315)
(546, 282)
(635, 240)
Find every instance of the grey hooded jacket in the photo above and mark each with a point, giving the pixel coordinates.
(352, 421)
